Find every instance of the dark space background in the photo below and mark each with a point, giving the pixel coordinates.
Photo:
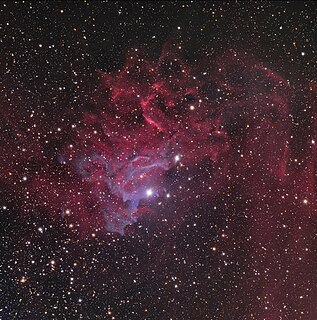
(218, 261)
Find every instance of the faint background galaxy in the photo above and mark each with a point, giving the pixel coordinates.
(158, 160)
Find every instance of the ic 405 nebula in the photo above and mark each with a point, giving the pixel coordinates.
(181, 133)
(171, 132)
(165, 137)
(158, 160)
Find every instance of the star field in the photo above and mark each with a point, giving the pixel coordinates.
(158, 160)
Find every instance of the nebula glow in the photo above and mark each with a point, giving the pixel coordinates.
(164, 129)
(150, 113)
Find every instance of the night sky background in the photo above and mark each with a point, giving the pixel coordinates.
(158, 160)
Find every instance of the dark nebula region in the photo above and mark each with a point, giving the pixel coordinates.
(164, 141)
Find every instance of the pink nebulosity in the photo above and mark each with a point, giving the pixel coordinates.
(162, 130)
(156, 117)
(184, 135)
